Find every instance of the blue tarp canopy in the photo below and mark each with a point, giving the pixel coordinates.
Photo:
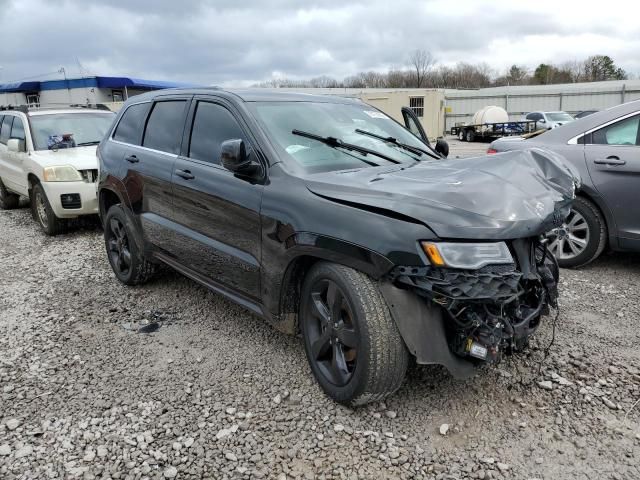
(121, 82)
(20, 87)
(89, 82)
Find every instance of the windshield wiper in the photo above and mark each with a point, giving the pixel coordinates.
(85, 144)
(337, 143)
(394, 141)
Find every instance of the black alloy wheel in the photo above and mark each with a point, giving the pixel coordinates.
(118, 247)
(332, 333)
(124, 252)
(352, 343)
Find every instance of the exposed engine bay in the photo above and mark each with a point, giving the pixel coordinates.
(493, 310)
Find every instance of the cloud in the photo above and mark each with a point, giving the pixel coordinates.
(231, 42)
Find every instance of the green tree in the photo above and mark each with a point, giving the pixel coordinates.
(543, 74)
(516, 75)
(602, 67)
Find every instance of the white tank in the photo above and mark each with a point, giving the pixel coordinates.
(490, 114)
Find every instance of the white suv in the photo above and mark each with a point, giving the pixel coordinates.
(549, 120)
(49, 156)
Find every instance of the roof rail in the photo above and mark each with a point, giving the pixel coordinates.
(18, 108)
(95, 106)
(40, 106)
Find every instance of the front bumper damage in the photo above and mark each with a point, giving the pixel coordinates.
(450, 316)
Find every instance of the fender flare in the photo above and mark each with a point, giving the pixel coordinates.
(283, 280)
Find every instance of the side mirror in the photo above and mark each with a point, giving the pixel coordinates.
(542, 120)
(442, 147)
(233, 155)
(15, 145)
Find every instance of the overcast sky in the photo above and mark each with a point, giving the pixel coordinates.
(240, 42)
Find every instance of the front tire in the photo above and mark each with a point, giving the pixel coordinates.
(581, 238)
(8, 200)
(353, 346)
(43, 213)
(125, 255)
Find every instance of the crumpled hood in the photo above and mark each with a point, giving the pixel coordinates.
(504, 196)
(82, 158)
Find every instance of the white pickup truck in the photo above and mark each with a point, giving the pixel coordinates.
(49, 156)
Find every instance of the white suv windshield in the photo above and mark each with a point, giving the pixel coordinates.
(82, 128)
(336, 120)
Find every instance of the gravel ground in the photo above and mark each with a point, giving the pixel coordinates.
(216, 393)
(460, 149)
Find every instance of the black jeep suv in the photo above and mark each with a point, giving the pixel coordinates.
(327, 217)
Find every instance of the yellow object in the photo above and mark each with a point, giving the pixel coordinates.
(434, 255)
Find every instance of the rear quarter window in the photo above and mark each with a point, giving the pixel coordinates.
(131, 125)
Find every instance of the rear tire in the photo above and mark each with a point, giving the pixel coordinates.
(354, 348)
(125, 255)
(461, 135)
(43, 213)
(588, 235)
(8, 200)
(470, 136)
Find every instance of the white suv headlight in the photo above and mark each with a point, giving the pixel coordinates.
(469, 256)
(63, 173)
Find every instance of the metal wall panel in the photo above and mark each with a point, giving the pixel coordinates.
(572, 98)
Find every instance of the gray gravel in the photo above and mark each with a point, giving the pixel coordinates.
(216, 393)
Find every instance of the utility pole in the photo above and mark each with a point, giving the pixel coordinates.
(66, 82)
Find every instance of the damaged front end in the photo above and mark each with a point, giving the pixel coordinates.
(489, 310)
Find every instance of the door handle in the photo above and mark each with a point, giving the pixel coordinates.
(186, 174)
(611, 160)
(132, 159)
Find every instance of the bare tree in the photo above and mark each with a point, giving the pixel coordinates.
(424, 73)
(421, 61)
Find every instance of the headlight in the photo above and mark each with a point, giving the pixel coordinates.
(64, 173)
(466, 255)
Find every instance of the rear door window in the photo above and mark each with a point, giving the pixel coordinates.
(131, 125)
(212, 125)
(624, 132)
(165, 126)
(5, 130)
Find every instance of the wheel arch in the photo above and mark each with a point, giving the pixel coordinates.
(32, 179)
(106, 199)
(300, 261)
(609, 221)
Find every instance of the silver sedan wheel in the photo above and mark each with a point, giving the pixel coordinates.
(571, 238)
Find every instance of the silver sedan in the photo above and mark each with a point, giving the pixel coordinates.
(605, 147)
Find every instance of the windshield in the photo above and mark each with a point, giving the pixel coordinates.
(55, 129)
(341, 121)
(559, 117)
